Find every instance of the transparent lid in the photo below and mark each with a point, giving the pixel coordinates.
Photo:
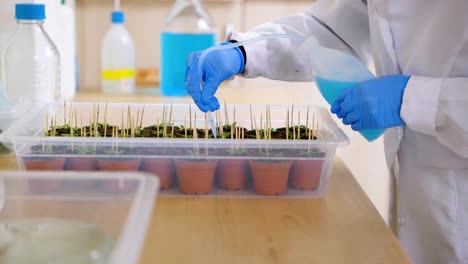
(189, 16)
(71, 205)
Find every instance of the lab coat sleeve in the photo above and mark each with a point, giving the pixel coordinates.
(438, 107)
(339, 24)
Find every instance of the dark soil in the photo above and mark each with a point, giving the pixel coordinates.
(117, 151)
(179, 132)
(47, 149)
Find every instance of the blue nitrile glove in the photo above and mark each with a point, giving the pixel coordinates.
(218, 66)
(372, 104)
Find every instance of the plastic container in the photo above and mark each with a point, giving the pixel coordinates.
(30, 63)
(7, 118)
(118, 58)
(188, 28)
(7, 14)
(29, 143)
(335, 71)
(121, 219)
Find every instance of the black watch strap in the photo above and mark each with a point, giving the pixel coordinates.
(242, 50)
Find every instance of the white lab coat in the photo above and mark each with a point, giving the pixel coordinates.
(427, 39)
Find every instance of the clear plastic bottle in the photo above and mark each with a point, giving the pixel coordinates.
(188, 28)
(8, 25)
(335, 71)
(30, 62)
(118, 58)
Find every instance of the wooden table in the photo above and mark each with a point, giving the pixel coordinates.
(343, 227)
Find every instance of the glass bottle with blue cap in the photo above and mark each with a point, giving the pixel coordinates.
(30, 63)
(187, 28)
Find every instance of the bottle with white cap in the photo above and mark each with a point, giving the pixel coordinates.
(118, 58)
(30, 63)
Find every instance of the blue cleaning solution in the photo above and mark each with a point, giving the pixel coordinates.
(175, 48)
(330, 90)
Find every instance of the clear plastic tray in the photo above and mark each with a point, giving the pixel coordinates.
(6, 119)
(231, 167)
(119, 205)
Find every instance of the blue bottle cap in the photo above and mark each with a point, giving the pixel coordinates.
(30, 12)
(118, 17)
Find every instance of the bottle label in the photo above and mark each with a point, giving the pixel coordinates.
(116, 75)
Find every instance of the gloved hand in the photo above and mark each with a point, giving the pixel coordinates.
(218, 66)
(372, 104)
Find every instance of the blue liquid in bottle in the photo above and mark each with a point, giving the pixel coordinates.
(175, 49)
(330, 90)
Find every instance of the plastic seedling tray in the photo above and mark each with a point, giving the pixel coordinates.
(260, 150)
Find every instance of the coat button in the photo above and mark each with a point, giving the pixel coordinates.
(401, 221)
(399, 133)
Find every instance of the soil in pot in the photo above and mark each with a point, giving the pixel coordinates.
(232, 174)
(163, 168)
(305, 174)
(44, 164)
(270, 177)
(250, 134)
(280, 133)
(196, 176)
(152, 131)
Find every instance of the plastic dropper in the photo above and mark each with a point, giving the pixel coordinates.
(212, 124)
(210, 116)
(117, 5)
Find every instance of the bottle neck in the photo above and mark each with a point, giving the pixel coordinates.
(30, 22)
(196, 3)
(188, 16)
(118, 25)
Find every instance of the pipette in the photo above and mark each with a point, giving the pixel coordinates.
(210, 116)
(117, 5)
(212, 124)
